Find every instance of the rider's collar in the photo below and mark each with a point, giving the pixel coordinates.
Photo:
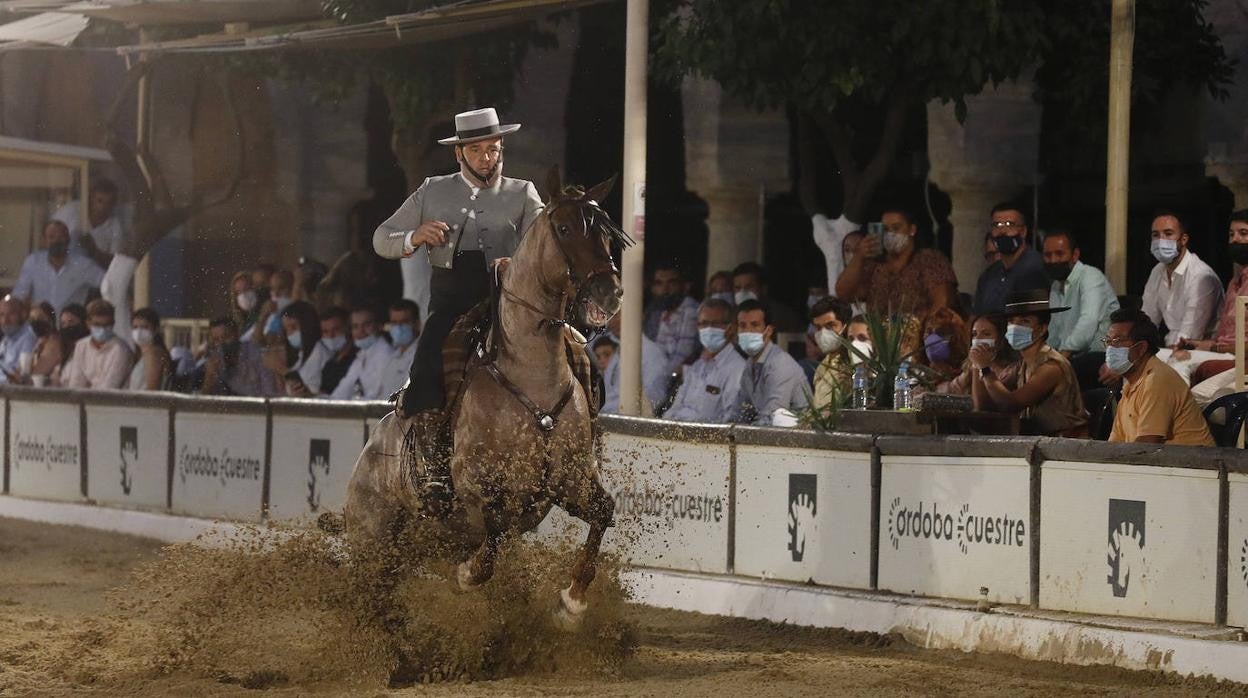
(475, 186)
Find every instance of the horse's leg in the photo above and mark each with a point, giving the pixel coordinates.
(593, 505)
(478, 568)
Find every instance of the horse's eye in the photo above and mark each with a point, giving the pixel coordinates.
(563, 231)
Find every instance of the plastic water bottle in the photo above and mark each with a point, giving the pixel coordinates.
(901, 388)
(859, 401)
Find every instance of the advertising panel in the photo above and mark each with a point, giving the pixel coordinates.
(312, 462)
(218, 467)
(1237, 552)
(804, 515)
(45, 450)
(956, 527)
(1129, 540)
(128, 451)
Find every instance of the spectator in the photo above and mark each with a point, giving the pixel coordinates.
(366, 378)
(849, 250)
(235, 367)
(73, 315)
(946, 342)
(1223, 341)
(1020, 268)
(1080, 333)
(720, 286)
(261, 276)
(1183, 294)
(892, 275)
(54, 275)
(107, 233)
(831, 317)
(711, 384)
(830, 235)
(154, 368)
(18, 339)
(302, 354)
(403, 329)
(987, 331)
(749, 282)
(330, 359)
(772, 380)
(281, 284)
(73, 327)
(654, 378)
(672, 318)
(991, 254)
(604, 349)
(1156, 405)
(308, 275)
(244, 303)
(43, 312)
(1048, 395)
(50, 354)
(101, 360)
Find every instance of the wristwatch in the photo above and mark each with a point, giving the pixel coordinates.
(985, 372)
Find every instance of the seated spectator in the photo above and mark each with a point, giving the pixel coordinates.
(945, 342)
(19, 339)
(672, 318)
(73, 327)
(1156, 405)
(50, 354)
(749, 282)
(987, 331)
(244, 304)
(772, 379)
(56, 276)
(890, 274)
(1020, 268)
(1047, 395)
(604, 349)
(831, 317)
(404, 328)
(281, 283)
(1182, 294)
(42, 312)
(101, 360)
(654, 378)
(105, 232)
(366, 378)
(711, 384)
(298, 360)
(73, 315)
(1079, 333)
(720, 286)
(153, 369)
(234, 367)
(331, 356)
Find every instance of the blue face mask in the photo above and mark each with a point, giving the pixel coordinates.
(274, 324)
(402, 335)
(295, 339)
(1018, 336)
(101, 334)
(335, 344)
(367, 342)
(1118, 359)
(751, 342)
(712, 338)
(1164, 250)
(937, 348)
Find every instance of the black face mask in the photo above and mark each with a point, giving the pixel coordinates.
(1239, 252)
(41, 328)
(58, 249)
(1058, 271)
(1007, 244)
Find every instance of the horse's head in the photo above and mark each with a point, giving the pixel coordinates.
(584, 234)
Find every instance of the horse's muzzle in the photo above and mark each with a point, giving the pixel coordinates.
(600, 299)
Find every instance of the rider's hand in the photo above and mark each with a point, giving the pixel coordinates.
(430, 233)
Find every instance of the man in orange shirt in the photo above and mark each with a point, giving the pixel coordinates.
(1156, 406)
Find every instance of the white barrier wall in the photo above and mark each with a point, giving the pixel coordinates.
(45, 450)
(1237, 551)
(218, 466)
(311, 465)
(1129, 540)
(804, 515)
(951, 525)
(128, 456)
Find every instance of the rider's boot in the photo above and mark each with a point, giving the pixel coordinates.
(432, 482)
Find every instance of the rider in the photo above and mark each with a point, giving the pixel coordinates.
(469, 223)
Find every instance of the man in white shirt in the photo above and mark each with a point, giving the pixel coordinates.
(1182, 292)
(105, 233)
(653, 374)
(403, 328)
(672, 318)
(365, 380)
(54, 275)
(100, 360)
(18, 338)
(711, 384)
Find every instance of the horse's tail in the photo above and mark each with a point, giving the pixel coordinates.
(330, 522)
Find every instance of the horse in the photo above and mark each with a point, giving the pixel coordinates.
(522, 421)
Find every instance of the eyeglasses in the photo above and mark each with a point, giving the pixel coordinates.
(1007, 224)
(1118, 341)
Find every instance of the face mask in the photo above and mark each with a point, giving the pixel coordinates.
(743, 296)
(1018, 336)
(1239, 252)
(937, 348)
(142, 336)
(1058, 271)
(990, 343)
(1007, 244)
(712, 338)
(1164, 251)
(725, 296)
(367, 342)
(281, 302)
(246, 301)
(42, 328)
(751, 342)
(101, 334)
(335, 344)
(274, 324)
(401, 335)
(1118, 359)
(58, 249)
(828, 340)
(894, 243)
(295, 339)
(863, 348)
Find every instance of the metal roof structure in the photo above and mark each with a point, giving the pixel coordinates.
(48, 28)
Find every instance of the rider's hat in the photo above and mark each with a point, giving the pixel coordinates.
(478, 125)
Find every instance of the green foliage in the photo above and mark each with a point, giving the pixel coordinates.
(888, 334)
(825, 417)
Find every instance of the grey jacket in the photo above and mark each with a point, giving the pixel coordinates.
(503, 213)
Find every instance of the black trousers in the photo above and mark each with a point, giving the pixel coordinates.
(453, 292)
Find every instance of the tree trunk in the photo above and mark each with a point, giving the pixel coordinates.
(859, 185)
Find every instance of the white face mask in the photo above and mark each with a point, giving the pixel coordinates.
(985, 342)
(828, 340)
(281, 302)
(864, 348)
(142, 336)
(246, 301)
(744, 295)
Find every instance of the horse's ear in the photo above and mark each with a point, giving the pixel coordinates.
(554, 184)
(600, 190)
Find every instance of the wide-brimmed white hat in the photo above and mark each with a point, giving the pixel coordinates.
(478, 125)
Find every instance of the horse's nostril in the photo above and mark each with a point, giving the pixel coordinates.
(619, 292)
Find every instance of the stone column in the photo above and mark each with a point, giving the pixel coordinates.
(987, 159)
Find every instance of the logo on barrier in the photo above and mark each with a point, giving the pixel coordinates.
(802, 521)
(969, 528)
(1126, 543)
(318, 460)
(28, 450)
(203, 463)
(129, 441)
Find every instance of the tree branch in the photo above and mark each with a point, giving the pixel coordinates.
(807, 183)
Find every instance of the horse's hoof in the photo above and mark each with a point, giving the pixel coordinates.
(570, 612)
(463, 576)
(565, 621)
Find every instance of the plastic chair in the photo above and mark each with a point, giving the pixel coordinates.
(1236, 406)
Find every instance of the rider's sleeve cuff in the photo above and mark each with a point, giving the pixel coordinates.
(408, 247)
